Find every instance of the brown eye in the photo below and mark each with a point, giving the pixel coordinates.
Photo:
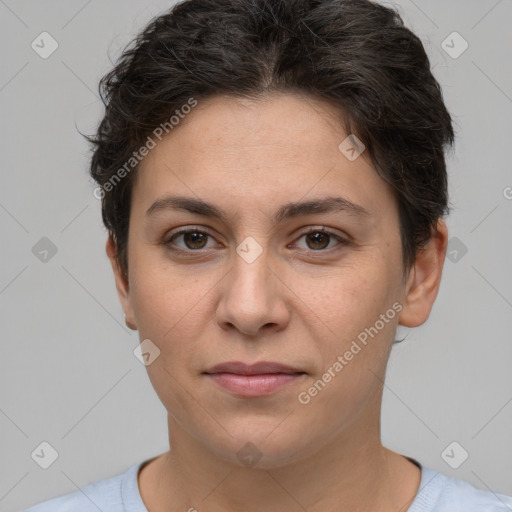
(195, 239)
(192, 240)
(318, 240)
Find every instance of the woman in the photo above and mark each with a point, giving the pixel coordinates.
(273, 180)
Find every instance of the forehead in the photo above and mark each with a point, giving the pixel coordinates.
(287, 124)
(280, 146)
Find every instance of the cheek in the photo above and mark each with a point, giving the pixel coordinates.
(346, 301)
(162, 294)
(170, 308)
(355, 319)
(355, 351)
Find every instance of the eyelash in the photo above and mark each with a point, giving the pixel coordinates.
(342, 242)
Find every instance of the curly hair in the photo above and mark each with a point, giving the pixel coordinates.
(355, 53)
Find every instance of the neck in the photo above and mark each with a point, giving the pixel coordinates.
(351, 472)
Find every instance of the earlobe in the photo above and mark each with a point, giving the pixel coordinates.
(122, 284)
(131, 326)
(424, 279)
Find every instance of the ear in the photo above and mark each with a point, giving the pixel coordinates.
(122, 284)
(424, 279)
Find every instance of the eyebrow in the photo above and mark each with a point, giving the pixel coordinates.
(287, 211)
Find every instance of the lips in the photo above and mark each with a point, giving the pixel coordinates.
(253, 369)
(253, 380)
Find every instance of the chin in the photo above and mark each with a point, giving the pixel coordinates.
(260, 443)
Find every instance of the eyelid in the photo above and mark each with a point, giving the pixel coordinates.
(343, 240)
(183, 231)
(322, 229)
(186, 229)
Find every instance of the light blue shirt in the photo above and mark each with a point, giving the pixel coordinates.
(437, 493)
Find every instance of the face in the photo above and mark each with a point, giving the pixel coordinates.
(253, 239)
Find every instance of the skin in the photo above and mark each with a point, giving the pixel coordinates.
(298, 303)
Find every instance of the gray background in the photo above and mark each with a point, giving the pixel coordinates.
(69, 376)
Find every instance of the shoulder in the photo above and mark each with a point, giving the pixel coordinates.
(116, 494)
(441, 493)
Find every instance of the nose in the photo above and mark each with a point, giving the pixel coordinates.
(253, 299)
